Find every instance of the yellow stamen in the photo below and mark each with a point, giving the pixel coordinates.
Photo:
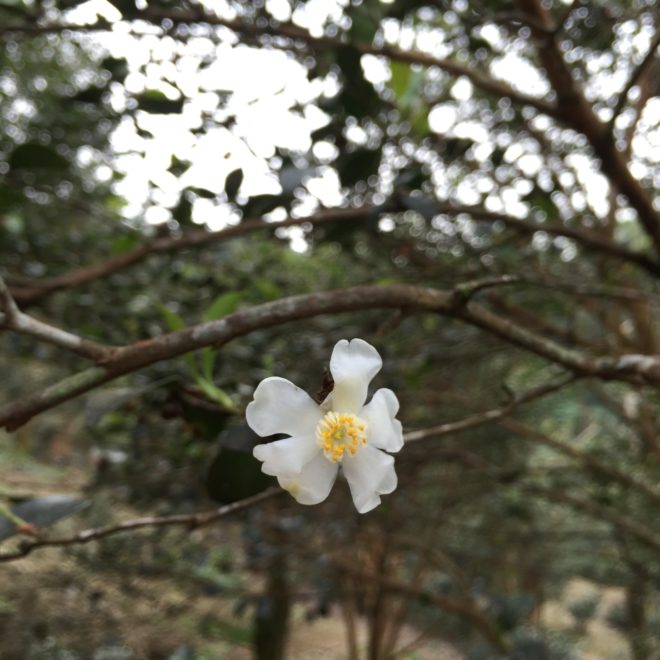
(338, 434)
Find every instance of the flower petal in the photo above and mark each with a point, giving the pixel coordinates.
(286, 458)
(353, 365)
(370, 473)
(383, 430)
(279, 406)
(314, 483)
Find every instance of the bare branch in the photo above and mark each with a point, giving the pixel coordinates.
(191, 520)
(297, 34)
(30, 291)
(574, 110)
(642, 68)
(589, 462)
(37, 289)
(588, 239)
(631, 527)
(8, 305)
(488, 416)
(15, 320)
(640, 369)
(462, 608)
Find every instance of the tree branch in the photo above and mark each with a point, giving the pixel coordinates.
(643, 67)
(29, 293)
(588, 239)
(15, 320)
(297, 34)
(574, 110)
(462, 608)
(592, 464)
(631, 527)
(639, 369)
(191, 520)
(488, 416)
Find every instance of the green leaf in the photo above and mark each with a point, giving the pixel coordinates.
(214, 393)
(203, 192)
(124, 244)
(208, 362)
(358, 165)
(401, 74)
(364, 23)
(233, 183)
(358, 96)
(224, 304)
(155, 102)
(173, 320)
(32, 155)
(234, 473)
(10, 198)
(41, 512)
(259, 205)
(126, 7)
(182, 212)
(92, 94)
(117, 66)
(407, 84)
(174, 323)
(542, 200)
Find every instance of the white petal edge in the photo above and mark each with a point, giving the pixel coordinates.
(383, 430)
(353, 365)
(370, 473)
(314, 483)
(279, 406)
(287, 457)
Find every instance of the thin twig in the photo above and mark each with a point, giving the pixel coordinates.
(15, 320)
(637, 73)
(631, 527)
(8, 305)
(488, 416)
(191, 520)
(589, 462)
(30, 291)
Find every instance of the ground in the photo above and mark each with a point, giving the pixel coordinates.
(102, 601)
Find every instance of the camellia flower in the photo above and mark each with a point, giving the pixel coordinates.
(341, 432)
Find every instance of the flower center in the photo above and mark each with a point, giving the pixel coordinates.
(338, 434)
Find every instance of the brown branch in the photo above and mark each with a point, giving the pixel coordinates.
(462, 608)
(191, 520)
(639, 369)
(15, 320)
(28, 293)
(575, 111)
(488, 416)
(592, 464)
(297, 34)
(588, 239)
(631, 527)
(31, 291)
(639, 71)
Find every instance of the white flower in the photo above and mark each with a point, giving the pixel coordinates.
(341, 432)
